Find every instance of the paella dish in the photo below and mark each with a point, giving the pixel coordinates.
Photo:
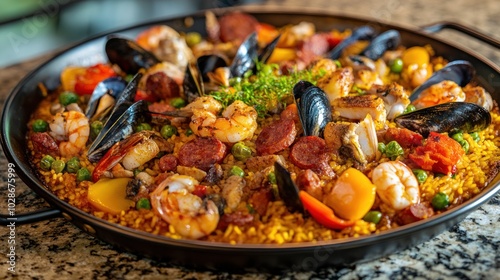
(265, 134)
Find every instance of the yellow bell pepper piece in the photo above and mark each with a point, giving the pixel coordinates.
(352, 195)
(108, 195)
(68, 77)
(415, 55)
(282, 54)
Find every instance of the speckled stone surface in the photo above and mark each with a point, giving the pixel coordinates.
(56, 249)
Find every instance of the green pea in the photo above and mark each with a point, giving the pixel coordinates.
(67, 98)
(373, 217)
(465, 145)
(193, 38)
(240, 151)
(337, 63)
(95, 129)
(458, 137)
(168, 131)
(381, 147)
(420, 174)
(189, 132)
(440, 201)
(236, 170)
(410, 108)
(46, 162)
(271, 177)
(178, 102)
(475, 136)
(83, 174)
(58, 166)
(396, 65)
(73, 165)
(143, 126)
(143, 203)
(393, 150)
(40, 125)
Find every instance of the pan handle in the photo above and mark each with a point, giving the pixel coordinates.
(31, 217)
(438, 26)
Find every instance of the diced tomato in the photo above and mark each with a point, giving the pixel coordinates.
(142, 95)
(200, 190)
(439, 154)
(405, 137)
(93, 75)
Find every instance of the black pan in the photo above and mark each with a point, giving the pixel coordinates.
(200, 254)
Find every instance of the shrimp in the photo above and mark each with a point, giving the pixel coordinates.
(72, 129)
(238, 121)
(443, 92)
(479, 96)
(187, 213)
(416, 75)
(396, 184)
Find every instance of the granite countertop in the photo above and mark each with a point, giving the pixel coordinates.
(469, 250)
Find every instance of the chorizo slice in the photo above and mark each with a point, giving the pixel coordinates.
(276, 137)
(43, 143)
(167, 163)
(310, 182)
(162, 86)
(202, 153)
(236, 26)
(414, 213)
(310, 152)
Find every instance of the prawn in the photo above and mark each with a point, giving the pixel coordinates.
(72, 129)
(186, 212)
(237, 123)
(396, 185)
(443, 92)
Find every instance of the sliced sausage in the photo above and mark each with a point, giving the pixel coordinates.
(236, 26)
(405, 137)
(43, 143)
(167, 163)
(414, 213)
(202, 153)
(313, 47)
(309, 181)
(260, 199)
(159, 107)
(162, 86)
(310, 152)
(236, 218)
(276, 137)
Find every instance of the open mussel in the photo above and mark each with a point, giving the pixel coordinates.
(245, 57)
(103, 98)
(459, 71)
(388, 40)
(313, 107)
(128, 55)
(446, 117)
(362, 33)
(288, 190)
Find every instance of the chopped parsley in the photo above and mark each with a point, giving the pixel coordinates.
(265, 90)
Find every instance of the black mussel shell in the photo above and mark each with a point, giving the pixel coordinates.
(266, 52)
(446, 117)
(113, 86)
(388, 40)
(458, 71)
(245, 57)
(128, 55)
(288, 191)
(193, 83)
(314, 108)
(208, 63)
(362, 33)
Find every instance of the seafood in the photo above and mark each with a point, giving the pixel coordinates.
(313, 107)
(337, 83)
(288, 190)
(72, 129)
(190, 216)
(446, 117)
(388, 40)
(103, 98)
(395, 98)
(128, 55)
(443, 92)
(356, 107)
(479, 96)
(362, 33)
(245, 57)
(232, 191)
(237, 123)
(396, 184)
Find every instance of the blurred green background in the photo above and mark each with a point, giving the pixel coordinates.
(32, 27)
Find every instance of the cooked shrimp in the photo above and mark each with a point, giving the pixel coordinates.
(187, 213)
(337, 84)
(416, 75)
(478, 95)
(396, 184)
(72, 129)
(443, 92)
(395, 98)
(238, 122)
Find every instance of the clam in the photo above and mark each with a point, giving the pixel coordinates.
(446, 117)
(128, 55)
(313, 107)
(459, 71)
(362, 33)
(288, 190)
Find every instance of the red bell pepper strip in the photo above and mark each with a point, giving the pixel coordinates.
(322, 213)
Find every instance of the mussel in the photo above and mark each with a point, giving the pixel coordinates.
(288, 190)
(103, 97)
(313, 107)
(193, 86)
(362, 33)
(245, 57)
(446, 117)
(458, 71)
(388, 40)
(128, 55)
